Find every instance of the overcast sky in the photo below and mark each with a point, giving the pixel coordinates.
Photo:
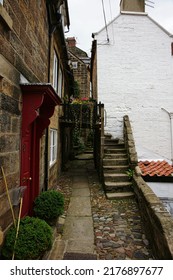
(86, 17)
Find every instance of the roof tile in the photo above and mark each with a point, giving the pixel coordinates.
(156, 168)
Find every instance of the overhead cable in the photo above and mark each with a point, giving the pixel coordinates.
(105, 21)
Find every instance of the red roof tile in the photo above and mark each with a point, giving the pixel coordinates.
(156, 168)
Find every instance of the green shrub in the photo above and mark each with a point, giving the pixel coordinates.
(34, 238)
(49, 205)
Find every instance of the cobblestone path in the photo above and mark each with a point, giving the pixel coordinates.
(119, 232)
(118, 229)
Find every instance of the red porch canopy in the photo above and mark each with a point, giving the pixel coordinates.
(39, 101)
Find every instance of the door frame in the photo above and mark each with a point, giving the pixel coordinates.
(39, 101)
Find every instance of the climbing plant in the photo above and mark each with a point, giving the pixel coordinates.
(82, 112)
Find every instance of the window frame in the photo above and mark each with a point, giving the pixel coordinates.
(53, 146)
(55, 71)
(60, 82)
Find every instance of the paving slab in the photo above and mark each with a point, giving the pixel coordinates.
(79, 206)
(81, 192)
(78, 228)
(79, 256)
(80, 185)
(80, 179)
(80, 246)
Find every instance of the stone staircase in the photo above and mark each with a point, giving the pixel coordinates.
(115, 166)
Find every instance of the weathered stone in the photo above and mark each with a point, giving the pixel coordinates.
(139, 255)
(8, 104)
(1, 236)
(145, 241)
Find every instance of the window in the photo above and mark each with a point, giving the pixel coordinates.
(1, 1)
(74, 64)
(55, 71)
(53, 146)
(60, 79)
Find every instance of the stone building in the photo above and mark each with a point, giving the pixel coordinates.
(80, 63)
(34, 75)
(135, 78)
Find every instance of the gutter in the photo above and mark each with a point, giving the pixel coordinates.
(170, 114)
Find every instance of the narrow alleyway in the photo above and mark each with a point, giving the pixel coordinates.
(114, 227)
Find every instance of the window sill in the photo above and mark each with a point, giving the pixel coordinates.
(51, 164)
(6, 18)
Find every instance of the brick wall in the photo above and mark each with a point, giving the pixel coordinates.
(135, 77)
(81, 73)
(81, 76)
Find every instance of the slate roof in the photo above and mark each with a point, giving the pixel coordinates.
(155, 168)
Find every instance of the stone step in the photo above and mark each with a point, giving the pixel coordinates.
(108, 135)
(115, 151)
(111, 141)
(110, 162)
(88, 151)
(117, 186)
(118, 177)
(112, 147)
(115, 168)
(115, 156)
(119, 195)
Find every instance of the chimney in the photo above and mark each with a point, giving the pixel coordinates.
(132, 6)
(71, 42)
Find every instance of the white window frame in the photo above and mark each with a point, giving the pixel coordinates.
(53, 146)
(60, 81)
(62, 16)
(74, 64)
(55, 71)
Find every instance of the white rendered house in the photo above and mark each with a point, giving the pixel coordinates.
(135, 78)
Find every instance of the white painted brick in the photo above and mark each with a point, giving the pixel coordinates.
(135, 77)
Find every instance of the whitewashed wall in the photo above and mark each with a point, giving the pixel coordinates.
(135, 77)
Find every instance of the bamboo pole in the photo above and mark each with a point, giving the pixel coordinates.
(9, 199)
(18, 225)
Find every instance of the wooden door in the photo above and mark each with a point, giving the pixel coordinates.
(25, 177)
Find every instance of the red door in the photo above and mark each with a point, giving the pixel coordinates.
(30, 157)
(26, 179)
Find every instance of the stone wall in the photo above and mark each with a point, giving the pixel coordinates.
(26, 45)
(158, 222)
(130, 143)
(23, 57)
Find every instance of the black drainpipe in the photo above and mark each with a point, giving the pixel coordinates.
(47, 130)
(46, 159)
(52, 28)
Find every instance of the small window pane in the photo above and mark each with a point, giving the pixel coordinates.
(55, 71)
(53, 146)
(60, 83)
